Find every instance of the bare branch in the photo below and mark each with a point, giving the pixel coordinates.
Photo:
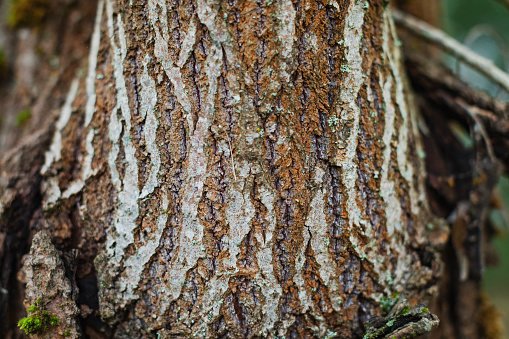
(439, 38)
(472, 112)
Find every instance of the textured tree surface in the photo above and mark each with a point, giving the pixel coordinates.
(215, 169)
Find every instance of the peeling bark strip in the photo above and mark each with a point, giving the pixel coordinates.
(265, 162)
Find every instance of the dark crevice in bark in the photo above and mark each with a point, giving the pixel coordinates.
(247, 257)
(21, 213)
(281, 246)
(15, 224)
(134, 75)
(194, 70)
(218, 327)
(451, 295)
(332, 53)
(212, 213)
(336, 213)
(319, 147)
(322, 119)
(175, 28)
(239, 312)
(259, 63)
(120, 162)
(364, 314)
(88, 296)
(369, 165)
(137, 15)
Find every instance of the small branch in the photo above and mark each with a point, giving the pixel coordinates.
(480, 125)
(231, 156)
(439, 38)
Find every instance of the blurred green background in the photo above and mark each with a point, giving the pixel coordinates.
(483, 25)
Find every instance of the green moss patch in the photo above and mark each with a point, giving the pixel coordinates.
(22, 117)
(38, 321)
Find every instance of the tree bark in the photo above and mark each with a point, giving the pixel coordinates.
(217, 169)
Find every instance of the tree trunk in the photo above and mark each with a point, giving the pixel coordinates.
(215, 169)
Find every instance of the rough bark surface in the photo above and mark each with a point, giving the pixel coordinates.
(239, 169)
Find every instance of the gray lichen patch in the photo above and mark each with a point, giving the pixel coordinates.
(48, 288)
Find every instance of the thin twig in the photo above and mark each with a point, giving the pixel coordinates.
(439, 38)
(483, 131)
(231, 157)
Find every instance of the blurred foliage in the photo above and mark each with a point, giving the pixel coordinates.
(461, 15)
(482, 25)
(22, 117)
(27, 13)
